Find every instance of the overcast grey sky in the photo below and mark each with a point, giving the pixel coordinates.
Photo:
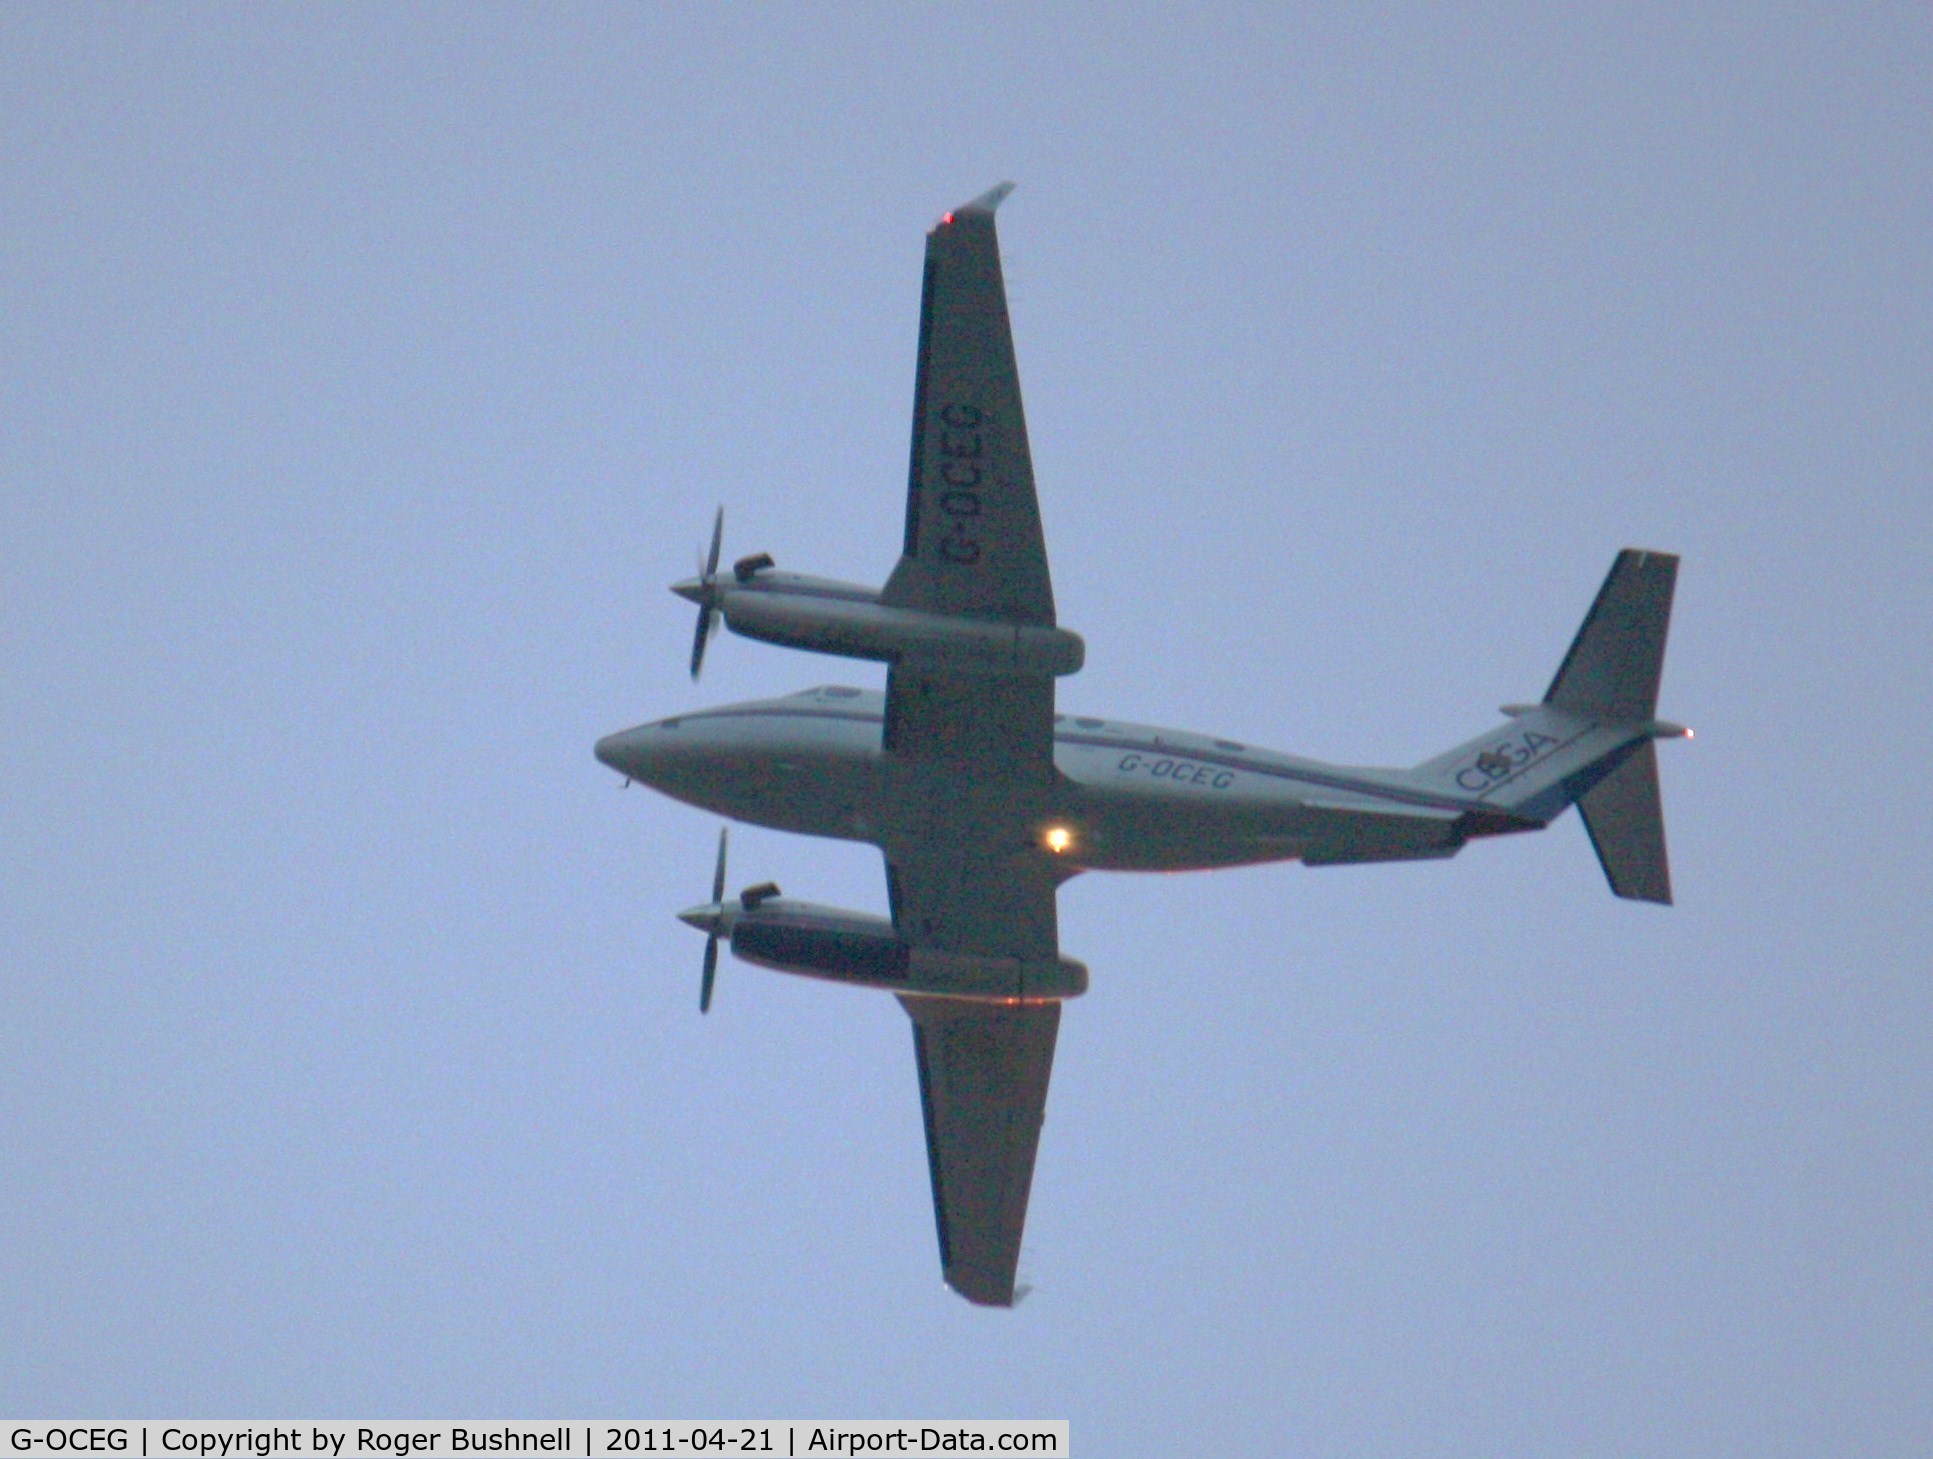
(367, 372)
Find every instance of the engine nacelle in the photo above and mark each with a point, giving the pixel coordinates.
(868, 630)
(852, 947)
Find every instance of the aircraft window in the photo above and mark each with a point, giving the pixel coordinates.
(1090, 723)
(842, 693)
(1229, 745)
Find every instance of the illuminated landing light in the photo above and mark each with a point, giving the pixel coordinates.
(1059, 838)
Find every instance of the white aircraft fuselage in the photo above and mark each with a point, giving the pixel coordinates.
(1126, 797)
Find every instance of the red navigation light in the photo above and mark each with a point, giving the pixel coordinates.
(946, 219)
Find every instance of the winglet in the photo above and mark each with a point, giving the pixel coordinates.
(985, 204)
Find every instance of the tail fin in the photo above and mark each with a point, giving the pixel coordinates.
(1612, 669)
(1612, 672)
(1590, 741)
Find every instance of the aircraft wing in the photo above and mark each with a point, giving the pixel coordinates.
(973, 757)
(983, 1089)
(967, 873)
(973, 539)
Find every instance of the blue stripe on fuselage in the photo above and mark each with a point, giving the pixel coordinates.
(1321, 779)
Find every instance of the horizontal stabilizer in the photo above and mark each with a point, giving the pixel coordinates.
(1626, 820)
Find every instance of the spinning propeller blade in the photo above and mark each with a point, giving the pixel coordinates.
(711, 939)
(710, 973)
(698, 639)
(707, 600)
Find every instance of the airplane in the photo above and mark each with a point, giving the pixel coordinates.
(984, 800)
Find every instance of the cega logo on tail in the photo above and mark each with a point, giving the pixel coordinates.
(1499, 762)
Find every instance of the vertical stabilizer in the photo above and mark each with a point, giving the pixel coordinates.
(1592, 742)
(1611, 673)
(1613, 667)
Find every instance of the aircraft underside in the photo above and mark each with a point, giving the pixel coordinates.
(1126, 798)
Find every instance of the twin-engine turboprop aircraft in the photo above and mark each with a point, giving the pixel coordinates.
(984, 800)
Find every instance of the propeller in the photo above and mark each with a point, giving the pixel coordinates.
(706, 613)
(711, 937)
(711, 918)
